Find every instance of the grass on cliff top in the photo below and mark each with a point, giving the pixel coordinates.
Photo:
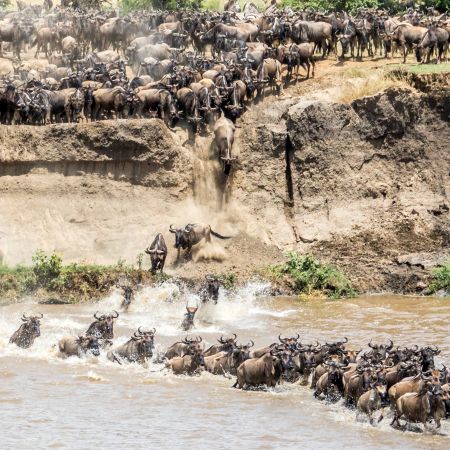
(441, 279)
(48, 276)
(423, 68)
(308, 277)
(360, 82)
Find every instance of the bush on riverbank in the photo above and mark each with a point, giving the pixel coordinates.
(441, 279)
(49, 277)
(306, 275)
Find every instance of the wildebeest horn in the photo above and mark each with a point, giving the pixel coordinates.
(116, 316)
(370, 344)
(171, 229)
(235, 337)
(199, 339)
(389, 347)
(345, 340)
(221, 340)
(41, 316)
(281, 339)
(95, 316)
(252, 344)
(153, 331)
(136, 334)
(139, 330)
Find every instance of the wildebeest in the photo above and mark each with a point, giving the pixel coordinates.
(211, 289)
(420, 407)
(224, 130)
(127, 296)
(139, 348)
(183, 347)
(191, 235)
(158, 253)
(372, 400)
(266, 370)
(224, 345)
(103, 326)
(25, 335)
(79, 346)
(228, 361)
(187, 364)
(188, 321)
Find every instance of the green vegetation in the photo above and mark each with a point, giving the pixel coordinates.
(4, 4)
(305, 275)
(352, 5)
(422, 68)
(441, 279)
(227, 280)
(48, 276)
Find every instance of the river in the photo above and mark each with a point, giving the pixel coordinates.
(50, 403)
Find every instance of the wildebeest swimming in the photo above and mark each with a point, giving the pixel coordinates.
(401, 378)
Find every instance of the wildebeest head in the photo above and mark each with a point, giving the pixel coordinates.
(427, 357)
(103, 325)
(228, 344)
(290, 342)
(32, 325)
(380, 349)
(309, 353)
(89, 344)
(181, 237)
(145, 342)
(27, 332)
(381, 390)
(335, 348)
(241, 353)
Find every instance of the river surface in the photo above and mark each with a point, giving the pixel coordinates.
(50, 403)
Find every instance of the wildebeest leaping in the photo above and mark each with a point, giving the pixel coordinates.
(192, 234)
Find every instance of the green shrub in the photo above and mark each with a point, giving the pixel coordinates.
(441, 279)
(306, 275)
(46, 268)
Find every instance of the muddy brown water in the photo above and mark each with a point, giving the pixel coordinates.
(47, 402)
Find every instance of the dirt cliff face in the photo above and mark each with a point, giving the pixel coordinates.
(364, 185)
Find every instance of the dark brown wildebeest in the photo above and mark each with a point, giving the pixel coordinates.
(139, 348)
(380, 351)
(155, 99)
(192, 234)
(421, 407)
(411, 384)
(224, 130)
(79, 346)
(103, 326)
(330, 383)
(190, 105)
(211, 290)
(25, 335)
(158, 253)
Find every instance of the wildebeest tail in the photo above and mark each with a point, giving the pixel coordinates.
(219, 235)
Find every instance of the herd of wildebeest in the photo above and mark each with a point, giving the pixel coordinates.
(201, 67)
(404, 378)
